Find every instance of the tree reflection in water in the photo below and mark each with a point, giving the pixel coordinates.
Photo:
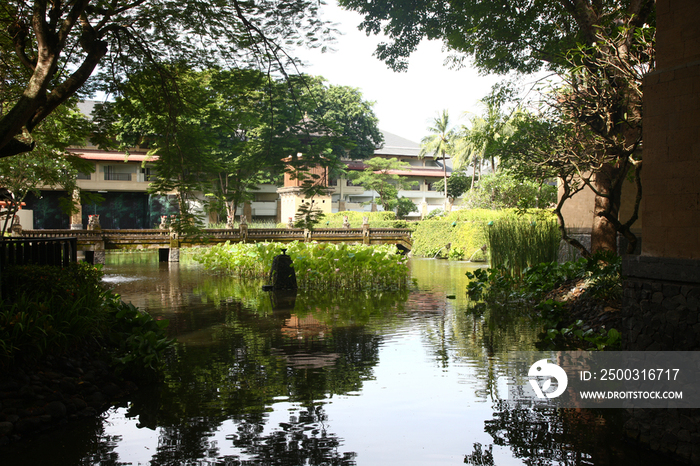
(551, 436)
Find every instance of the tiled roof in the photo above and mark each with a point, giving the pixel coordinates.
(397, 146)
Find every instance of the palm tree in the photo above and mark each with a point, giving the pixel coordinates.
(483, 138)
(440, 143)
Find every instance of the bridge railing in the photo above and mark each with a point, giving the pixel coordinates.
(153, 236)
(41, 251)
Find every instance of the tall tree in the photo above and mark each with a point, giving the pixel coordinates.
(600, 49)
(343, 111)
(223, 132)
(51, 48)
(439, 144)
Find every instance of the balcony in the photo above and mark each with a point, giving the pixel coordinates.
(111, 176)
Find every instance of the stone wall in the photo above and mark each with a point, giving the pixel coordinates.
(660, 304)
(661, 299)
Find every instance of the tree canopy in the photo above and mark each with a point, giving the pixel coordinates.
(499, 35)
(600, 50)
(224, 132)
(51, 49)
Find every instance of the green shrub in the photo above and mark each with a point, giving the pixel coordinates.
(46, 282)
(464, 230)
(51, 310)
(376, 220)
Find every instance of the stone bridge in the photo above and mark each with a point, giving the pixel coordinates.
(94, 243)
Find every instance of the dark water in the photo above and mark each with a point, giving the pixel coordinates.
(405, 378)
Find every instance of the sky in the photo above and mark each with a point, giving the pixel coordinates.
(405, 103)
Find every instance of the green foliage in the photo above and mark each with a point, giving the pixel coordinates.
(138, 341)
(30, 328)
(46, 282)
(405, 206)
(602, 281)
(317, 266)
(308, 215)
(237, 127)
(51, 310)
(503, 190)
(439, 212)
(520, 241)
(457, 184)
(386, 219)
(45, 65)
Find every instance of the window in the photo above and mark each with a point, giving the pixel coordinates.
(112, 175)
(149, 174)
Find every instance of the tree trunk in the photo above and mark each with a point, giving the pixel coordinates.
(607, 203)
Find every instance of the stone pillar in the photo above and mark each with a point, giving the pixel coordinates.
(423, 209)
(16, 228)
(76, 219)
(341, 205)
(243, 228)
(99, 253)
(248, 210)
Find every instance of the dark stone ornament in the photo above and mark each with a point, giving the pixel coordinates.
(282, 275)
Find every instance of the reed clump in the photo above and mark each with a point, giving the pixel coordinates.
(317, 265)
(516, 242)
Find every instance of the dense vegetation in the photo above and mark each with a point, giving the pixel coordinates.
(52, 310)
(466, 232)
(598, 276)
(317, 266)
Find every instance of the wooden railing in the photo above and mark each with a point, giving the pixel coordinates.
(41, 251)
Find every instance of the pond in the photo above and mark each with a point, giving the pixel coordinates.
(406, 378)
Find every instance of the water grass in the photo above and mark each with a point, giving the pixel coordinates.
(516, 242)
(317, 265)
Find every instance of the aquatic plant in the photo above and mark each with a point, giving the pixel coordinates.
(520, 241)
(317, 265)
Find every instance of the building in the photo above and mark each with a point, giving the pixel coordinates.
(423, 170)
(122, 181)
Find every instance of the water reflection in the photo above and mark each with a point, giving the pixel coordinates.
(405, 378)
